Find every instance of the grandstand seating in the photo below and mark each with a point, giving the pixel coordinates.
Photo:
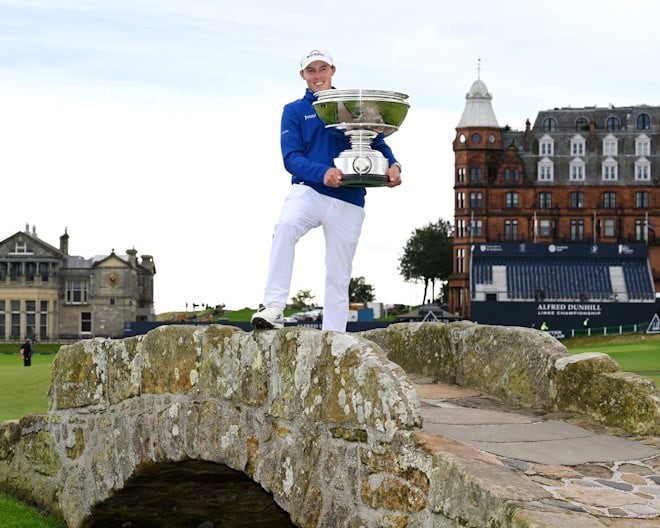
(566, 279)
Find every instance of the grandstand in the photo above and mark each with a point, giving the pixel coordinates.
(549, 281)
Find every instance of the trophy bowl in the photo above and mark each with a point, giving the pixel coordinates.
(361, 115)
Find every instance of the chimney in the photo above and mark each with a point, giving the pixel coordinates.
(148, 263)
(527, 136)
(132, 257)
(64, 243)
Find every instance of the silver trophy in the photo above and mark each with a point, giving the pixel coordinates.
(361, 115)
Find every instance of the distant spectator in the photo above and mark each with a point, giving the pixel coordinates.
(26, 352)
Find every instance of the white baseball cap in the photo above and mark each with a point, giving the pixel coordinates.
(315, 55)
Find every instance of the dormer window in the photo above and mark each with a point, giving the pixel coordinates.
(549, 124)
(581, 123)
(546, 146)
(642, 169)
(546, 170)
(576, 170)
(643, 122)
(642, 145)
(613, 123)
(610, 146)
(610, 169)
(577, 145)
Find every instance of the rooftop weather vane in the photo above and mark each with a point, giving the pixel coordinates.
(478, 68)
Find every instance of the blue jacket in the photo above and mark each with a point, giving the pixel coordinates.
(309, 149)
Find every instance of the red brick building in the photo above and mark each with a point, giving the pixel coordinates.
(582, 178)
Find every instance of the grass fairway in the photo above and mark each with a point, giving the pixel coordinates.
(24, 389)
(635, 353)
(15, 514)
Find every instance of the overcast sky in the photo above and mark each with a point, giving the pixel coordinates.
(154, 124)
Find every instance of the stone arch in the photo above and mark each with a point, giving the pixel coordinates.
(286, 407)
(189, 494)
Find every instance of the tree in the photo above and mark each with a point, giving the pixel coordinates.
(427, 255)
(302, 299)
(359, 291)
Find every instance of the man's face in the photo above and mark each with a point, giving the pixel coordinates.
(318, 76)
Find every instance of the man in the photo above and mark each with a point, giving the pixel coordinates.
(316, 198)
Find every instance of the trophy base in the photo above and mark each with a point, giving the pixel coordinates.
(364, 180)
(363, 170)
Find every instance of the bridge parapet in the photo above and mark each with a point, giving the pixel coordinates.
(323, 421)
(288, 408)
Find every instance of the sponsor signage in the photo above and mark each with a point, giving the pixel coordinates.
(513, 249)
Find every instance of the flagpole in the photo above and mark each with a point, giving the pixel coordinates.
(646, 228)
(471, 227)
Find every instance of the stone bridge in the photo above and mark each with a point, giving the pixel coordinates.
(329, 424)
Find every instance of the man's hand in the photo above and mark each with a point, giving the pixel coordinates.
(333, 177)
(393, 176)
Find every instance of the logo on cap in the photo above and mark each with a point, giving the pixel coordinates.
(316, 54)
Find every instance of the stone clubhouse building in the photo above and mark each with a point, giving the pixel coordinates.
(46, 294)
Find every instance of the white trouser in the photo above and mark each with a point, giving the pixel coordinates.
(304, 209)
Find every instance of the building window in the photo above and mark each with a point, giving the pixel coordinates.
(477, 228)
(476, 200)
(30, 319)
(511, 200)
(475, 174)
(546, 170)
(77, 292)
(460, 174)
(642, 170)
(21, 248)
(609, 227)
(581, 123)
(640, 226)
(545, 200)
(610, 146)
(43, 271)
(577, 146)
(15, 332)
(577, 230)
(546, 146)
(460, 200)
(642, 200)
(643, 122)
(86, 322)
(511, 230)
(460, 260)
(30, 269)
(511, 175)
(610, 169)
(459, 231)
(642, 145)
(613, 123)
(549, 124)
(609, 200)
(577, 200)
(545, 228)
(43, 320)
(576, 170)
